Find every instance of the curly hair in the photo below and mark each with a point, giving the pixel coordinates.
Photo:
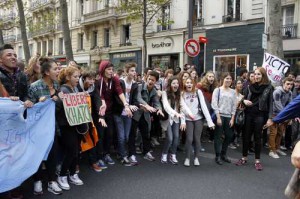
(31, 72)
(204, 83)
(66, 72)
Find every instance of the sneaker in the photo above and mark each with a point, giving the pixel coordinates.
(164, 158)
(54, 188)
(38, 188)
(101, 164)
(186, 162)
(241, 162)
(63, 182)
(77, 169)
(202, 149)
(273, 155)
(96, 167)
(74, 179)
(126, 162)
(108, 160)
(173, 159)
(280, 152)
(132, 160)
(196, 162)
(232, 146)
(138, 150)
(155, 142)
(258, 166)
(283, 148)
(149, 157)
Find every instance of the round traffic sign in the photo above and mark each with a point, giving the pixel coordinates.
(192, 47)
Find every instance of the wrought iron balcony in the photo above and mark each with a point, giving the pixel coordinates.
(99, 16)
(232, 18)
(43, 31)
(198, 22)
(289, 31)
(9, 39)
(41, 4)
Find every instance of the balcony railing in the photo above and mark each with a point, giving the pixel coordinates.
(163, 27)
(99, 15)
(289, 31)
(232, 18)
(126, 44)
(198, 22)
(37, 4)
(9, 38)
(9, 18)
(43, 31)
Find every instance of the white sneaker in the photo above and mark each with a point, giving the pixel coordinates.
(132, 160)
(273, 155)
(187, 162)
(173, 159)
(280, 152)
(155, 141)
(63, 182)
(74, 179)
(164, 158)
(54, 188)
(196, 162)
(38, 188)
(149, 157)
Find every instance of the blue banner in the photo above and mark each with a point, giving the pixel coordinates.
(24, 143)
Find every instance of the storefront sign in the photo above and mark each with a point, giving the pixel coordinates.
(76, 108)
(166, 43)
(225, 50)
(123, 55)
(275, 67)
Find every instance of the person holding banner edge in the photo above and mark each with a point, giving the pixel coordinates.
(39, 91)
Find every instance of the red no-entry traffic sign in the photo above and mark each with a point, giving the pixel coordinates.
(192, 47)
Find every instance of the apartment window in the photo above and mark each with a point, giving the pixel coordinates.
(39, 47)
(20, 52)
(30, 49)
(126, 40)
(94, 39)
(81, 7)
(50, 47)
(198, 13)
(106, 37)
(106, 3)
(80, 41)
(165, 19)
(44, 48)
(60, 46)
(289, 29)
(233, 11)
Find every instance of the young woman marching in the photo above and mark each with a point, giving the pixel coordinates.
(224, 105)
(42, 89)
(258, 101)
(68, 78)
(194, 99)
(174, 105)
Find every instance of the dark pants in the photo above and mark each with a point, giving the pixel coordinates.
(144, 130)
(155, 127)
(221, 148)
(288, 136)
(253, 125)
(50, 163)
(70, 144)
(97, 152)
(108, 133)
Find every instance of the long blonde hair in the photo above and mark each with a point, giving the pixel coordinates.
(32, 74)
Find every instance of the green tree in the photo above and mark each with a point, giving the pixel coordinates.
(147, 11)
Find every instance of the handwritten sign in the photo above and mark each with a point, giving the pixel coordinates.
(24, 143)
(76, 108)
(275, 67)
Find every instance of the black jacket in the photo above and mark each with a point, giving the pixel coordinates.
(19, 89)
(117, 103)
(265, 100)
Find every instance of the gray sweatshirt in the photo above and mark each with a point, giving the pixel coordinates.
(224, 102)
(280, 99)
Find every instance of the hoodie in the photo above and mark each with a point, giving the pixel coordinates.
(108, 87)
(280, 99)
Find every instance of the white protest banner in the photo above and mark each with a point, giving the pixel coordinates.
(76, 108)
(24, 143)
(275, 67)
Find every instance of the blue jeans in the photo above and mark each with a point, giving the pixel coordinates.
(172, 139)
(123, 125)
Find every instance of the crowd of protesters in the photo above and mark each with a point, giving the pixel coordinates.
(131, 113)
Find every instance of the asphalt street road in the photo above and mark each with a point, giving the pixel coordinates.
(151, 180)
